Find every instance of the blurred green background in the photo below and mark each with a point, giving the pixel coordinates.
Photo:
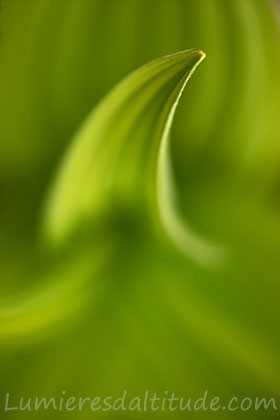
(121, 309)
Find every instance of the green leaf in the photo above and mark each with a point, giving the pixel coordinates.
(120, 159)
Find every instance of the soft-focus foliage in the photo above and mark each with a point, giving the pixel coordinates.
(110, 279)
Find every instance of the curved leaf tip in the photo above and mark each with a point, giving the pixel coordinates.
(121, 154)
